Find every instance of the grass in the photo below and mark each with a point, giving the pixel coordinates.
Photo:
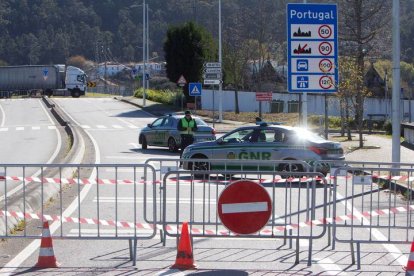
(291, 119)
(19, 227)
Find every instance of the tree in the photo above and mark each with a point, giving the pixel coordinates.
(186, 49)
(361, 23)
(348, 92)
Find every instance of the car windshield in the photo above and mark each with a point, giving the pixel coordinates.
(200, 122)
(304, 134)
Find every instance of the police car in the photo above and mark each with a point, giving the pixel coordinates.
(163, 132)
(263, 142)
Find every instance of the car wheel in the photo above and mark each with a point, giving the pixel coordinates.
(290, 167)
(144, 142)
(200, 166)
(172, 145)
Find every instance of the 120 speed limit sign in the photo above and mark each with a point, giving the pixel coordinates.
(325, 82)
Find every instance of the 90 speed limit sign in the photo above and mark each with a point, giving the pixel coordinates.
(325, 48)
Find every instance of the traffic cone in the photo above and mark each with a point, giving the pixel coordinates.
(184, 258)
(46, 254)
(410, 264)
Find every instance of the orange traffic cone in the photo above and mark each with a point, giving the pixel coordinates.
(46, 254)
(410, 264)
(184, 258)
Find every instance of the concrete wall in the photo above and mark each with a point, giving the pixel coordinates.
(316, 103)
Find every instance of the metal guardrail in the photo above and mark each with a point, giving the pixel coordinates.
(101, 217)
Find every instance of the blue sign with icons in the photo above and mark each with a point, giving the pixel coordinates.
(194, 88)
(302, 82)
(312, 31)
(302, 65)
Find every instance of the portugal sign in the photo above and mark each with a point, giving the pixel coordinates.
(312, 47)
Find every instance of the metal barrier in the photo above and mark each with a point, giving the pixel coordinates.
(296, 200)
(226, 173)
(101, 217)
(372, 196)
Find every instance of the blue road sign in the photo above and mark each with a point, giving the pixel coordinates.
(312, 31)
(45, 72)
(194, 89)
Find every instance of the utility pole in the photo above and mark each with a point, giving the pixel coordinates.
(304, 104)
(143, 51)
(396, 128)
(220, 60)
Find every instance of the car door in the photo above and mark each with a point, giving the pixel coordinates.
(163, 132)
(152, 136)
(233, 147)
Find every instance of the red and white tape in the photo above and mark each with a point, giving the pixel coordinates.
(169, 228)
(99, 181)
(81, 181)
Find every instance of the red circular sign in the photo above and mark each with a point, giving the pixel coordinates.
(325, 65)
(325, 82)
(325, 48)
(244, 207)
(325, 31)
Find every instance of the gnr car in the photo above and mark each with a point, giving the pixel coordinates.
(264, 142)
(163, 132)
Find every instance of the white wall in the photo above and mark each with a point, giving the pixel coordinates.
(316, 103)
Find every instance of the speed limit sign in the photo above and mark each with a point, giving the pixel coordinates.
(325, 65)
(325, 31)
(325, 48)
(325, 82)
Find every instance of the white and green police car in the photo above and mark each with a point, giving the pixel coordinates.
(163, 132)
(264, 142)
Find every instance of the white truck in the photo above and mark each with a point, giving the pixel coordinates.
(43, 79)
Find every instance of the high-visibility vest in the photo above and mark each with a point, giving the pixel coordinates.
(188, 125)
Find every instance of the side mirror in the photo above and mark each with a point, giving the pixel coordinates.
(220, 141)
(149, 125)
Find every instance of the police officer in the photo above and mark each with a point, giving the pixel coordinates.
(187, 125)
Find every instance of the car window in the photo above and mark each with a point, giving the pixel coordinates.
(303, 134)
(239, 136)
(200, 122)
(157, 122)
(167, 122)
(269, 136)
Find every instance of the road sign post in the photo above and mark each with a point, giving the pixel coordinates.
(244, 207)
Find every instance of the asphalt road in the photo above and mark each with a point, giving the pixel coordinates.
(113, 127)
(28, 136)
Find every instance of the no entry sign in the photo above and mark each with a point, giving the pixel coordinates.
(244, 207)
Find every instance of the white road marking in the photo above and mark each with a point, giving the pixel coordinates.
(100, 126)
(35, 127)
(135, 145)
(117, 126)
(3, 116)
(329, 266)
(170, 200)
(19, 128)
(51, 127)
(85, 126)
(4, 129)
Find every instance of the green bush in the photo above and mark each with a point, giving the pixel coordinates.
(160, 96)
(334, 122)
(388, 127)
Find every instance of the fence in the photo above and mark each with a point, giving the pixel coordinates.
(100, 218)
(357, 203)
